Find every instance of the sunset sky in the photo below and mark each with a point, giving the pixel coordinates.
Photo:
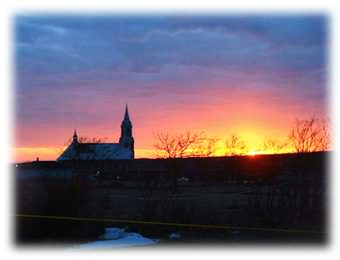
(249, 75)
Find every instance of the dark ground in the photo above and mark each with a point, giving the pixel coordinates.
(282, 196)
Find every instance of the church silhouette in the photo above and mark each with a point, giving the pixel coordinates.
(103, 151)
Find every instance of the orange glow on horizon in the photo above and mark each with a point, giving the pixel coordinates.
(253, 153)
(26, 154)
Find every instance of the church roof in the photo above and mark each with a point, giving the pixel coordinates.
(95, 151)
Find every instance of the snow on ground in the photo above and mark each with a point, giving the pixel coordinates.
(117, 237)
(174, 236)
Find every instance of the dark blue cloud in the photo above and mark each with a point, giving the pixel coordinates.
(146, 44)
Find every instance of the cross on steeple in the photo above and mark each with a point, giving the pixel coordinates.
(75, 136)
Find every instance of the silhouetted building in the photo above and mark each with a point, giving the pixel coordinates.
(103, 151)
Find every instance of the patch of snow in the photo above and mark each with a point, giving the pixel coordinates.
(183, 179)
(174, 236)
(113, 233)
(117, 237)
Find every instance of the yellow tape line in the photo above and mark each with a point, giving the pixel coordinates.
(168, 224)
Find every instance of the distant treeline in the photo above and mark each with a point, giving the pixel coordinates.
(236, 168)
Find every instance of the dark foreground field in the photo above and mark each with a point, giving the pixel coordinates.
(278, 199)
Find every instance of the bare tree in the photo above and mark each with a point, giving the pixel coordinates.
(86, 139)
(186, 144)
(274, 145)
(210, 147)
(235, 146)
(310, 135)
(325, 135)
(205, 148)
(166, 145)
(81, 140)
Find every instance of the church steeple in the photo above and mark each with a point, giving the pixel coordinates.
(126, 138)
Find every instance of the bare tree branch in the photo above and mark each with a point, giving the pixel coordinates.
(81, 140)
(310, 135)
(186, 144)
(274, 145)
(235, 146)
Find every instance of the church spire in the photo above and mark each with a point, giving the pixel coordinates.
(126, 115)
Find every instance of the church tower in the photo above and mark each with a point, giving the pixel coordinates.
(126, 138)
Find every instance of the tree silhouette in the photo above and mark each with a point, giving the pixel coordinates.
(185, 144)
(208, 148)
(274, 145)
(86, 139)
(81, 140)
(325, 136)
(310, 135)
(235, 146)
